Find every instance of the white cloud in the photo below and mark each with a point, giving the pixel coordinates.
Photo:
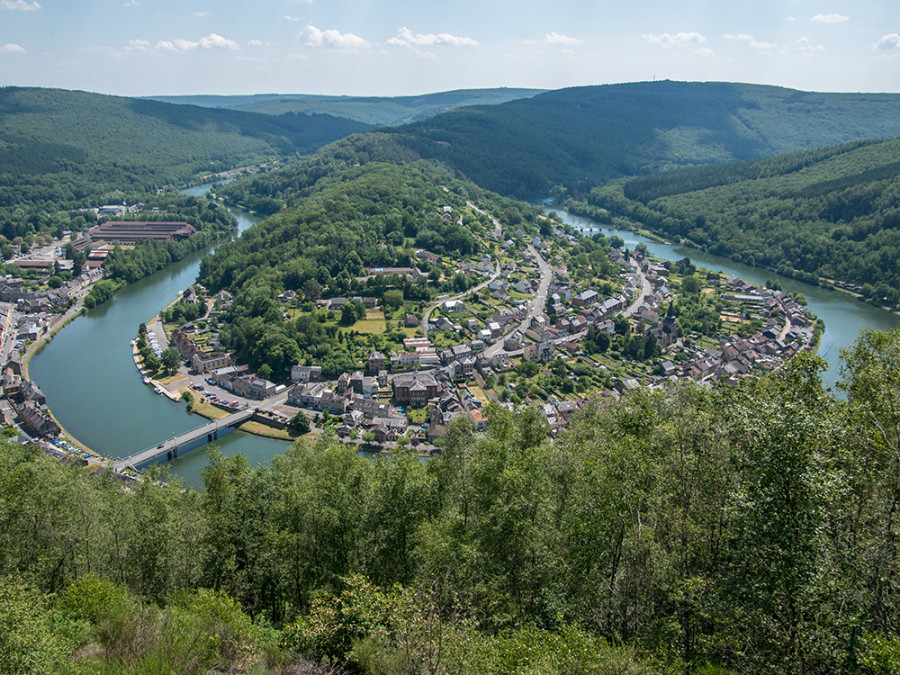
(676, 40)
(557, 39)
(752, 41)
(211, 41)
(888, 42)
(132, 3)
(200, 15)
(704, 51)
(19, 5)
(255, 43)
(406, 38)
(10, 48)
(804, 44)
(332, 38)
(791, 18)
(830, 18)
(138, 46)
(291, 18)
(214, 41)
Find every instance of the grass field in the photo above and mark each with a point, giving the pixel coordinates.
(478, 392)
(207, 410)
(259, 429)
(370, 326)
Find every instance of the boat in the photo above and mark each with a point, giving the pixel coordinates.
(146, 379)
(157, 390)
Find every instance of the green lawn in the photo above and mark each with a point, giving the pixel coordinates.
(370, 326)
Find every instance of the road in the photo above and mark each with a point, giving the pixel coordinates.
(537, 305)
(646, 289)
(498, 228)
(457, 297)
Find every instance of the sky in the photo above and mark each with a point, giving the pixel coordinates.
(406, 47)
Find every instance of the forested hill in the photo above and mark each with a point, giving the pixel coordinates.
(376, 110)
(58, 145)
(832, 212)
(583, 136)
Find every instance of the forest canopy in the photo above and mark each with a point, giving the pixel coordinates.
(831, 212)
(747, 528)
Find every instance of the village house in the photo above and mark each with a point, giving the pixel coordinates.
(585, 298)
(304, 374)
(513, 341)
(540, 351)
(375, 362)
(204, 363)
(408, 359)
(415, 388)
(317, 396)
(370, 407)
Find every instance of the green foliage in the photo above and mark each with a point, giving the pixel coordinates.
(93, 599)
(29, 640)
(393, 299)
(829, 212)
(100, 292)
(749, 528)
(299, 423)
(170, 359)
(583, 136)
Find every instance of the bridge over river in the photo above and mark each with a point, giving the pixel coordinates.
(170, 449)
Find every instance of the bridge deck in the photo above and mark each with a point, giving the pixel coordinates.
(169, 449)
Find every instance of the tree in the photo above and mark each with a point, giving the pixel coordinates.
(170, 359)
(151, 363)
(393, 299)
(312, 289)
(691, 285)
(78, 261)
(299, 423)
(872, 382)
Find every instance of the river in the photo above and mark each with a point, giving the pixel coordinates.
(844, 316)
(89, 378)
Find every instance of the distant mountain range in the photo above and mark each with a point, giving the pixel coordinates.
(42, 129)
(583, 136)
(374, 110)
(577, 138)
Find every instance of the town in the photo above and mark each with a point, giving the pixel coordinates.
(463, 352)
(531, 332)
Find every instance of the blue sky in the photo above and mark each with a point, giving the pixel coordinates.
(401, 47)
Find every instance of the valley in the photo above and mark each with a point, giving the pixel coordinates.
(665, 453)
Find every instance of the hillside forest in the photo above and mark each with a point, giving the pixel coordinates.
(741, 528)
(829, 214)
(746, 529)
